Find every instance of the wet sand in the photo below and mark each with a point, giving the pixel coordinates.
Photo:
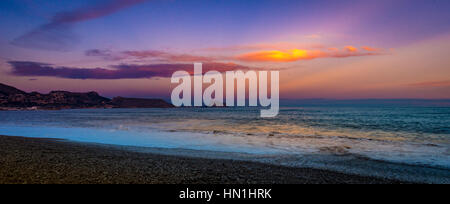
(50, 161)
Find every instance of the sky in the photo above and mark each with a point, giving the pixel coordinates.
(346, 49)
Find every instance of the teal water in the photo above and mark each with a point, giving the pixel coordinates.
(413, 135)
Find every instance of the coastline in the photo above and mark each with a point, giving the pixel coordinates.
(53, 161)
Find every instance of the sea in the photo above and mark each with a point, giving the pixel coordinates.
(396, 139)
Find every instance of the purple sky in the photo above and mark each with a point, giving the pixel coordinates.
(323, 49)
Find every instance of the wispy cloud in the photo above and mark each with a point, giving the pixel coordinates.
(123, 71)
(58, 35)
(147, 54)
(255, 53)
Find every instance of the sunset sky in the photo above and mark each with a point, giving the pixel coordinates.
(324, 49)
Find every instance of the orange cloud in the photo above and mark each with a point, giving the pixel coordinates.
(281, 56)
(351, 49)
(301, 54)
(370, 49)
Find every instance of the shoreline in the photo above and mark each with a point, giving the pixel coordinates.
(53, 161)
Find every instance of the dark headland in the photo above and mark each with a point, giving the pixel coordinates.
(12, 98)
